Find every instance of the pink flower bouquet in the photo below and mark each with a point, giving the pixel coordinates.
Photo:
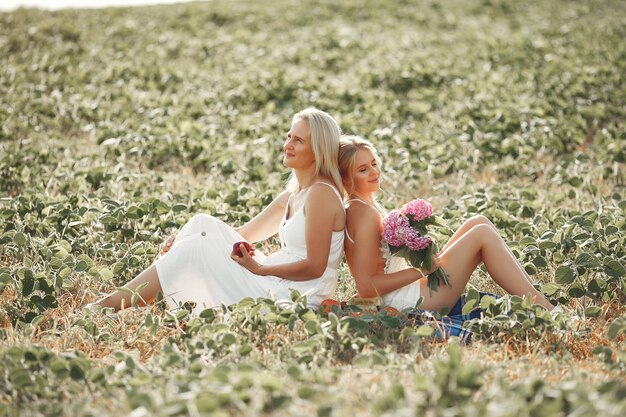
(405, 231)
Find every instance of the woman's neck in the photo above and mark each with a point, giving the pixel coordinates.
(305, 176)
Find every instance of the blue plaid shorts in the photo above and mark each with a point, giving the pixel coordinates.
(452, 324)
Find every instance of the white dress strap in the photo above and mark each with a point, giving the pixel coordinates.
(346, 203)
(349, 237)
(355, 199)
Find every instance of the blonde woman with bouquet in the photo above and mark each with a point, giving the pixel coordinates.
(210, 263)
(369, 235)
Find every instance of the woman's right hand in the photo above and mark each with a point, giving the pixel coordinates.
(436, 264)
(168, 245)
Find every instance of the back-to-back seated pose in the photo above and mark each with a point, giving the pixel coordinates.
(377, 273)
(202, 267)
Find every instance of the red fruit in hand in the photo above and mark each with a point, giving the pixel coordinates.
(237, 249)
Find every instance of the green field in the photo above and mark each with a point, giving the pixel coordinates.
(118, 125)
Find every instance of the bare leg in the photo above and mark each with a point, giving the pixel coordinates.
(121, 299)
(466, 227)
(482, 243)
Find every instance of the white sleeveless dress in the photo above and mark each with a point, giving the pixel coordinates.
(404, 297)
(198, 267)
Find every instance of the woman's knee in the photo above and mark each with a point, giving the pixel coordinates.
(201, 218)
(200, 221)
(484, 231)
(478, 220)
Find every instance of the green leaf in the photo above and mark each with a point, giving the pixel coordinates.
(81, 266)
(613, 268)
(5, 279)
(587, 260)
(245, 349)
(390, 322)
(540, 262)
(77, 372)
(21, 378)
(83, 257)
(162, 208)
(576, 290)
(19, 239)
(208, 314)
(119, 266)
(617, 327)
(469, 306)
(530, 268)
(106, 274)
(487, 301)
(597, 285)
(472, 294)
(564, 275)
(181, 314)
(60, 368)
(593, 311)
(108, 220)
(368, 318)
(550, 289)
(313, 327)
(454, 353)
(134, 212)
(547, 245)
(424, 331)
(229, 339)
(28, 283)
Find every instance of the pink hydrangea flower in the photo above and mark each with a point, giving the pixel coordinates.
(419, 209)
(395, 228)
(415, 241)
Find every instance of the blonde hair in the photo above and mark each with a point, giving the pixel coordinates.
(324, 135)
(348, 147)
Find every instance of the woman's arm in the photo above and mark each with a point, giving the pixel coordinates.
(322, 209)
(366, 231)
(265, 224)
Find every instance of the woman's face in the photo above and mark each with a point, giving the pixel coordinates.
(297, 150)
(366, 173)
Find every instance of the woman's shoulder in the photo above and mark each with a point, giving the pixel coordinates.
(325, 190)
(360, 207)
(362, 212)
(363, 221)
(323, 197)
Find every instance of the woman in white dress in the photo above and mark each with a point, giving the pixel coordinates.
(377, 273)
(200, 265)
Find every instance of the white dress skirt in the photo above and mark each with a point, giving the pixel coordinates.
(403, 297)
(198, 268)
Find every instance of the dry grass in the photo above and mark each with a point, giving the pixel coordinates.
(548, 357)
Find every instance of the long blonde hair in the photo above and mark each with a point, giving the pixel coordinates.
(324, 135)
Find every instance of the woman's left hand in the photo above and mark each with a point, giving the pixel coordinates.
(246, 260)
